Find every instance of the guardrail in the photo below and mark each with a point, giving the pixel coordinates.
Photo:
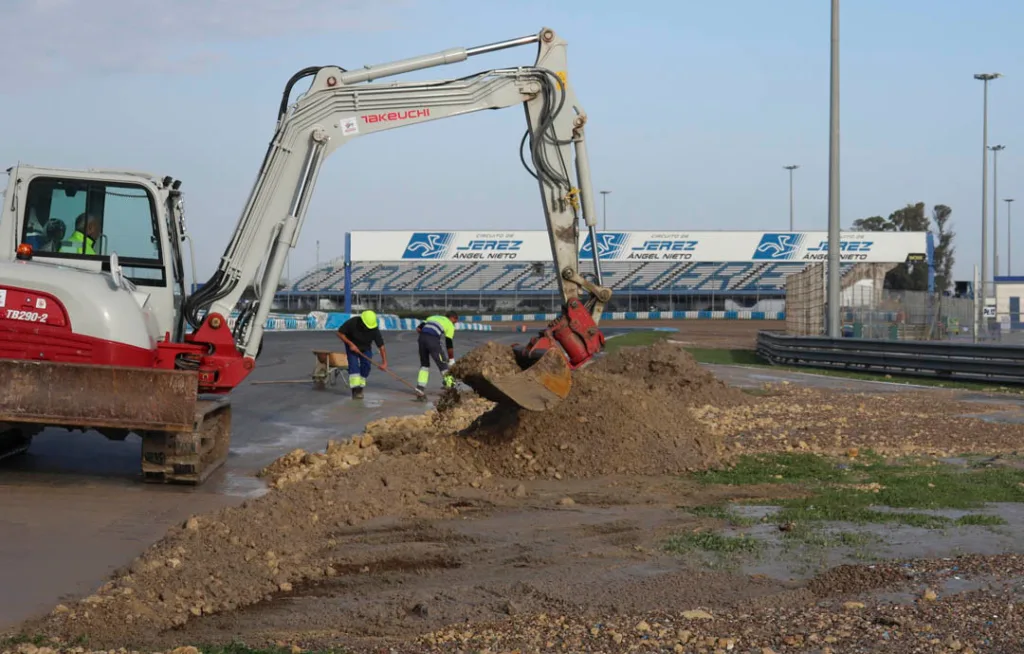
(942, 359)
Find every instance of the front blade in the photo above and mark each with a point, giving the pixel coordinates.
(543, 385)
(80, 395)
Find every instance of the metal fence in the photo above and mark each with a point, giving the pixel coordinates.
(870, 311)
(906, 315)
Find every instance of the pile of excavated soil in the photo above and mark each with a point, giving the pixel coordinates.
(669, 368)
(627, 413)
(417, 434)
(267, 546)
(488, 360)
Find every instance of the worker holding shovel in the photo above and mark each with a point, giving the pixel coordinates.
(360, 333)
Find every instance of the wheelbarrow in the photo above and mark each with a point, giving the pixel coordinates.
(328, 366)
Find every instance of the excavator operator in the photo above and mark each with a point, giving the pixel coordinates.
(87, 230)
(431, 331)
(360, 333)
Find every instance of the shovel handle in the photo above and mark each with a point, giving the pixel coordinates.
(376, 365)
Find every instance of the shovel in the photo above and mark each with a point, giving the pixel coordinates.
(404, 383)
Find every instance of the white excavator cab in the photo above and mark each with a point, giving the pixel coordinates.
(105, 237)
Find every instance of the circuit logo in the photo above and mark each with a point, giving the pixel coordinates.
(428, 245)
(610, 245)
(778, 246)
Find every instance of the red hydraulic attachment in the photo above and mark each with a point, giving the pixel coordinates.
(212, 353)
(575, 330)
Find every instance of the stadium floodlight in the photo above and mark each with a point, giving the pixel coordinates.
(833, 180)
(791, 168)
(985, 78)
(604, 209)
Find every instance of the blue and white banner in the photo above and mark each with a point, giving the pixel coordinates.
(679, 246)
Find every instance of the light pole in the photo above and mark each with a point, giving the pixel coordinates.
(317, 272)
(791, 169)
(1009, 239)
(833, 181)
(995, 208)
(604, 209)
(985, 78)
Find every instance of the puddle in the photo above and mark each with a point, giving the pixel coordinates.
(289, 437)
(804, 550)
(1007, 417)
(245, 486)
(988, 398)
(953, 584)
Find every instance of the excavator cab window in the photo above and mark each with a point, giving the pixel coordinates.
(85, 219)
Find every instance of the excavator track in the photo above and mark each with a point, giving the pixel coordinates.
(13, 442)
(189, 457)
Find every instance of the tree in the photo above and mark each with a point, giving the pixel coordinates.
(945, 253)
(912, 218)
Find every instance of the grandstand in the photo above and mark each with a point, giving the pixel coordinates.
(512, 272)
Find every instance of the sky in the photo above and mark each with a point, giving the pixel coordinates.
(693, 109)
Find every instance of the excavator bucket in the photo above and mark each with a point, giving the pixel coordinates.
(543, 383)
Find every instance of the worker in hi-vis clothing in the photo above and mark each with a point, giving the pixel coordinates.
(359, 333)
(432, 331)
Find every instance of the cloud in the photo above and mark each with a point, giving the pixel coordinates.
(45, 39)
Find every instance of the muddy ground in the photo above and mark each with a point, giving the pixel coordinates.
(594, 527)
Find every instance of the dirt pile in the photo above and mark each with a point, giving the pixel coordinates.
(265, 547)
(626, 413)
(671, 369)
(489, 360)
(396, 436)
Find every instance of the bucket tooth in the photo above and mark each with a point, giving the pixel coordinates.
(542, 385)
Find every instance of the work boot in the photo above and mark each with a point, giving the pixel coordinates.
(357, 393)
(421, 393)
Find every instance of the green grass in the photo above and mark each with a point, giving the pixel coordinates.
(812, 536)
(720, 512)
(867, 491)
(832, 497)
(726, 357)
(639, 338)
(981, 520)
(775, 469)
(240, 648)
(711, 542)
(10, 642)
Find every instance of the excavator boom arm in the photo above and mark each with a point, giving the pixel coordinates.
(340, 105)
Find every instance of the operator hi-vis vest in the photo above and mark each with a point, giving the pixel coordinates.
(74, 245)
(439, 325)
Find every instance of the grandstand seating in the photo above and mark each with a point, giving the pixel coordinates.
(508, 278)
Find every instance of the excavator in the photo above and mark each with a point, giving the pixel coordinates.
(94, 312)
